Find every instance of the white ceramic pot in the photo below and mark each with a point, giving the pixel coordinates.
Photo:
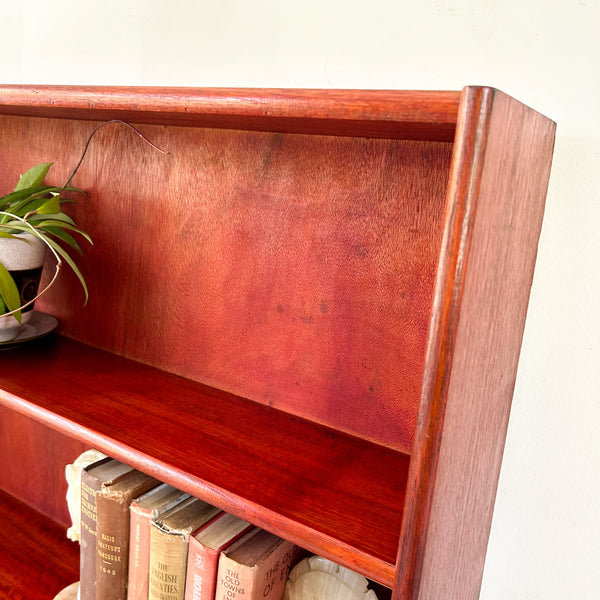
(24, 258)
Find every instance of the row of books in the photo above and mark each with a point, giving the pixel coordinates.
(142, 539)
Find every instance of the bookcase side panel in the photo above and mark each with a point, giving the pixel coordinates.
(498, 274)
(293, 270)
(461, 203)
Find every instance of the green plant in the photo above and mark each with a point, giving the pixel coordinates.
(36, 208)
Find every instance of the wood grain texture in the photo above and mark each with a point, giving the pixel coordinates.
(334, 494)
(496, 201)
(36, 559)
(352, 296)
(33, 463)
(293, 270)
(423, 115)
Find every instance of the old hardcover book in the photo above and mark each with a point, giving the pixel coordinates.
(206, 544)
(150, 505)
(112, 546)
(169, 541)
(93, 477)
(255, 567)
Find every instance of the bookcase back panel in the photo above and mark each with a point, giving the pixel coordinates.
(294, 270)
(33, 465)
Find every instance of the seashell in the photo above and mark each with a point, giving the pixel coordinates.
(73, 475)
(317, 578)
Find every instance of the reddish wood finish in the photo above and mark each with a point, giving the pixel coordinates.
(36, 559)
(496, 199)
(336, 495)
(269, 266)
(377, 287)
(33, 462)
(422, 115)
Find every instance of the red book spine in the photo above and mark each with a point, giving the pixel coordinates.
(203, 562)
(139, 552)
(201, 577)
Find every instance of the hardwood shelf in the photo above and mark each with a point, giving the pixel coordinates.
(36, 559)
(333, 494)
(324, 293)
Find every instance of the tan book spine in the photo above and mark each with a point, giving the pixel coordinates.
(112, 554)
(169, 542)
(168, 563)
(262, 581)
(141, 512)
(235, 581)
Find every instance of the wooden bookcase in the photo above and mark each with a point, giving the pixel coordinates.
(309, 313)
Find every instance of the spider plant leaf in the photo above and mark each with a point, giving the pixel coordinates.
(18, 195)
(32, 205)
(64, 254)
(16, 226)
(34, 176)
(82, 233)
(72, 188)
(9, 292)
(61, 234)
(62, 225)
(51, 206)
(14, 199)
(23, 201)
(61, 216)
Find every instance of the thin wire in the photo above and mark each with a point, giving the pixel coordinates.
(100, 127)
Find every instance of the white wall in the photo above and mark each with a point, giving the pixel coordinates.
(546, 530)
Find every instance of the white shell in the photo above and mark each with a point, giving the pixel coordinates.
(69, 593)
(73, 474)
(317, 578)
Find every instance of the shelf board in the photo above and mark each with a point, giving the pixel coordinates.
(36, 559)
(334, 494)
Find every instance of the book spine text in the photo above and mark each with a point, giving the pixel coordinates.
(168, 562)
(139, 553)
(87, 565)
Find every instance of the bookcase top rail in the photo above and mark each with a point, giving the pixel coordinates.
(424, 115)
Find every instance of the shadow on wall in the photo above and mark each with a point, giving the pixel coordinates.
(550, 478)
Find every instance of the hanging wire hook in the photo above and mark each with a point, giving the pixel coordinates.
(135, 129)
